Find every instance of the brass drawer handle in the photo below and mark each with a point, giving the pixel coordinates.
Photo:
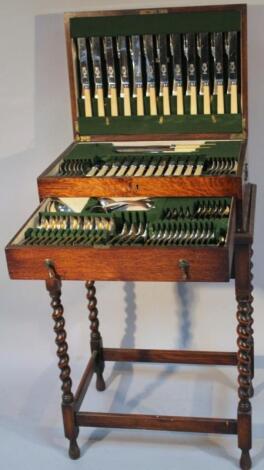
(184, 267)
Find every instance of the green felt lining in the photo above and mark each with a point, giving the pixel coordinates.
(155, 219)
(155, 214)
(107, 152)
(200, 123)
(161, 23)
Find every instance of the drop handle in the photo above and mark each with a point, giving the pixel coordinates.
(184, 267)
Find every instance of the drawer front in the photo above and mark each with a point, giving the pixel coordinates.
(202, 186)
(118, 263)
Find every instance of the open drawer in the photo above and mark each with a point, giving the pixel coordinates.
(157, 239)
(182, 168)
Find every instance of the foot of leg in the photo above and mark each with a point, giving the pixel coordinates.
(100, 383)
(74, 451)
(245, 461)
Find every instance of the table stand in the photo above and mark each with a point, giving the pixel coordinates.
(243, 359)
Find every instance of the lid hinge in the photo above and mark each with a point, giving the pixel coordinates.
(85, 138)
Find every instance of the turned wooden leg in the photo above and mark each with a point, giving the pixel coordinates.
(96, 339)
(245, 350)
(71, 431)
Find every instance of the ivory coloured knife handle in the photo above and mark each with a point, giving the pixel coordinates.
(100, 102)
(206, 100)
(113, 101)
(140, 102)
(166, 101)
(220, 99)
(87, 102)
(233, 95)
(153, 101)
(127, 104)
(193, 100)
(180, 107)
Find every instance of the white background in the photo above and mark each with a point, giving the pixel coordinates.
(35, 125)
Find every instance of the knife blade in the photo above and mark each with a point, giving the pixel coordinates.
(150, 69)
(190, 54)
(162, 51)
(203, 52)
(84, 74)
(232, 54)
(176, 52)
(98, 74)
(111, 73)
(124, 73)
(135, 49)
(217, 52)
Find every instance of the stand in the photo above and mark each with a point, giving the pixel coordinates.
(243, 359)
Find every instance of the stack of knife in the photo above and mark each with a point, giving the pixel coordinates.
(153, 74)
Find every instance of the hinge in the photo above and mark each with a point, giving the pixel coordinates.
(238, 136)
(85, 138)
(76, 126)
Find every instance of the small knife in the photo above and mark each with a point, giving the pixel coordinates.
(164, 75)
(85, 78)
(189, 50)
(171, 167)
(111, 73)
(141, 169)
(232, 54)
(217, 52)
(151, 168)
(135, 49)
(161, 168)
(113, 169)
(132, 168)
(98, 74)
(176, 52)
(180, 167)
(150, 68)
(124, 72)
(203, 51)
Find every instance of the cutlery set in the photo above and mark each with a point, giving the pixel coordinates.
(146, 166)
(144, 68)
(193, 222)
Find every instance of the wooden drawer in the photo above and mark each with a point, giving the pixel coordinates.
(142, 263)
(53, 184)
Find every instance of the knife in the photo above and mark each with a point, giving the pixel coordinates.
(150, 69)
(111, 73)
(135, 49)
(217, 52)
(231, 51)
(176, 52)
(98, 74)
(203, 52)
(164, 76)
(190, 54)
(124, 72)
(85, 78)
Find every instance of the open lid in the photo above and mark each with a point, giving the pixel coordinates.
(110, 67)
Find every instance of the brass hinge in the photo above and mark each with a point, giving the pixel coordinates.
(85, 138)
(76, 126)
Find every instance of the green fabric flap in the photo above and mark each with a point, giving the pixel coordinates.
(155, 24)
(107, 152)
(225, 123)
